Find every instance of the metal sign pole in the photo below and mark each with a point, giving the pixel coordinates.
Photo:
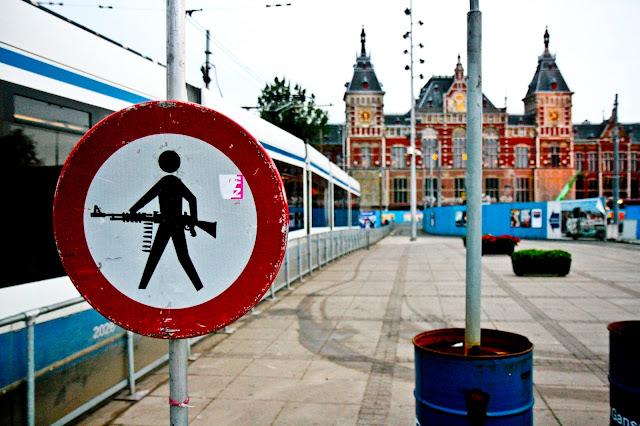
(474, 179)
(176, 90)
(616, 167)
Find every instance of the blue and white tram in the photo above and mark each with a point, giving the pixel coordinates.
(55, 84)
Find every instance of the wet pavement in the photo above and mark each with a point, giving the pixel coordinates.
(337, 348)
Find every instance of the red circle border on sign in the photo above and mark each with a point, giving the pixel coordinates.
(260, 173)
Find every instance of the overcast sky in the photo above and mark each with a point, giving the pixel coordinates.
(315, 43)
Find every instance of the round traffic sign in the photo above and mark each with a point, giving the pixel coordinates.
(171, 220)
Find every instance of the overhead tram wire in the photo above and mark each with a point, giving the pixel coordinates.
(226, 51)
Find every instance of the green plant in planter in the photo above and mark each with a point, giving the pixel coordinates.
(541, 262)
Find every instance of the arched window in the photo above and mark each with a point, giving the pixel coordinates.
(490, 148)
(398, 157)
(365, 157)
(459, 148)
(430, 146)
(521, 157)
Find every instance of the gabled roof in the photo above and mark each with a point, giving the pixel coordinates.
(431, 95)
(522, 120)
(548, 77)
(364, 77)
(586, 131)
(397, 119)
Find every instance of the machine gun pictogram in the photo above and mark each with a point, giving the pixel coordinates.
(156, 217)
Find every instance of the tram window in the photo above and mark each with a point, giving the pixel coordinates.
(292, 178)
(52, 147)
(355, 210)
(50, 115)
(340, 206)
(319, 201)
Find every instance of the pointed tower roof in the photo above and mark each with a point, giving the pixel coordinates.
(548, 77)
(364, 77)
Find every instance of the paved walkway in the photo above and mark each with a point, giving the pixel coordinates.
(337, 348)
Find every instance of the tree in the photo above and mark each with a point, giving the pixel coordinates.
(293, 111)
(17, 150)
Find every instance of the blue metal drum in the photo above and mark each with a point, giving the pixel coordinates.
(491, 387)
(624, 372)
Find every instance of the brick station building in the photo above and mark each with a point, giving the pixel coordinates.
(527, 157)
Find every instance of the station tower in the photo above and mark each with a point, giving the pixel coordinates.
(365, 140)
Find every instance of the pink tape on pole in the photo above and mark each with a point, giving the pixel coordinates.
(173, 403)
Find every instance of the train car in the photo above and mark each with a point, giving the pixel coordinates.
(55, 84)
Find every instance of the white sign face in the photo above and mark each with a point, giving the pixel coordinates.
(180, 270)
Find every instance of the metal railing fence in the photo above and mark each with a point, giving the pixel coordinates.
(304, 255)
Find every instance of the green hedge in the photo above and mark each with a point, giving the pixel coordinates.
(541, 262)
(541, 255)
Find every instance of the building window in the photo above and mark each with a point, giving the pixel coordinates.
(592, 162)
(622, 187)
(429, 147)
(579, 160)
(459, 148)
(607, 161)
(490, 148)
(492, 189)
(522, 190)
(607, 186)
(365, 157)
(633, 162)
(522, 157)
(397, 156)
(592, 187)
(400, 191)
(460, 190)
(580, 186)
(491, 153)
(622, 161)
(554, 156)
(431, 197)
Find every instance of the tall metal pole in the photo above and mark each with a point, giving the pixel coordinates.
(474, 178)
(207, 54)
(176, 90)
(439, 172)
(616, 167)
(431, 186)
(412, 146)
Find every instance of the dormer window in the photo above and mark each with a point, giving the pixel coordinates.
(365, 85)
(554, 84)
(430, 101)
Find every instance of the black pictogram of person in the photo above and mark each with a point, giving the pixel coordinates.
(170, 192)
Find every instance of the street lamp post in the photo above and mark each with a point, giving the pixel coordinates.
(412, 144)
